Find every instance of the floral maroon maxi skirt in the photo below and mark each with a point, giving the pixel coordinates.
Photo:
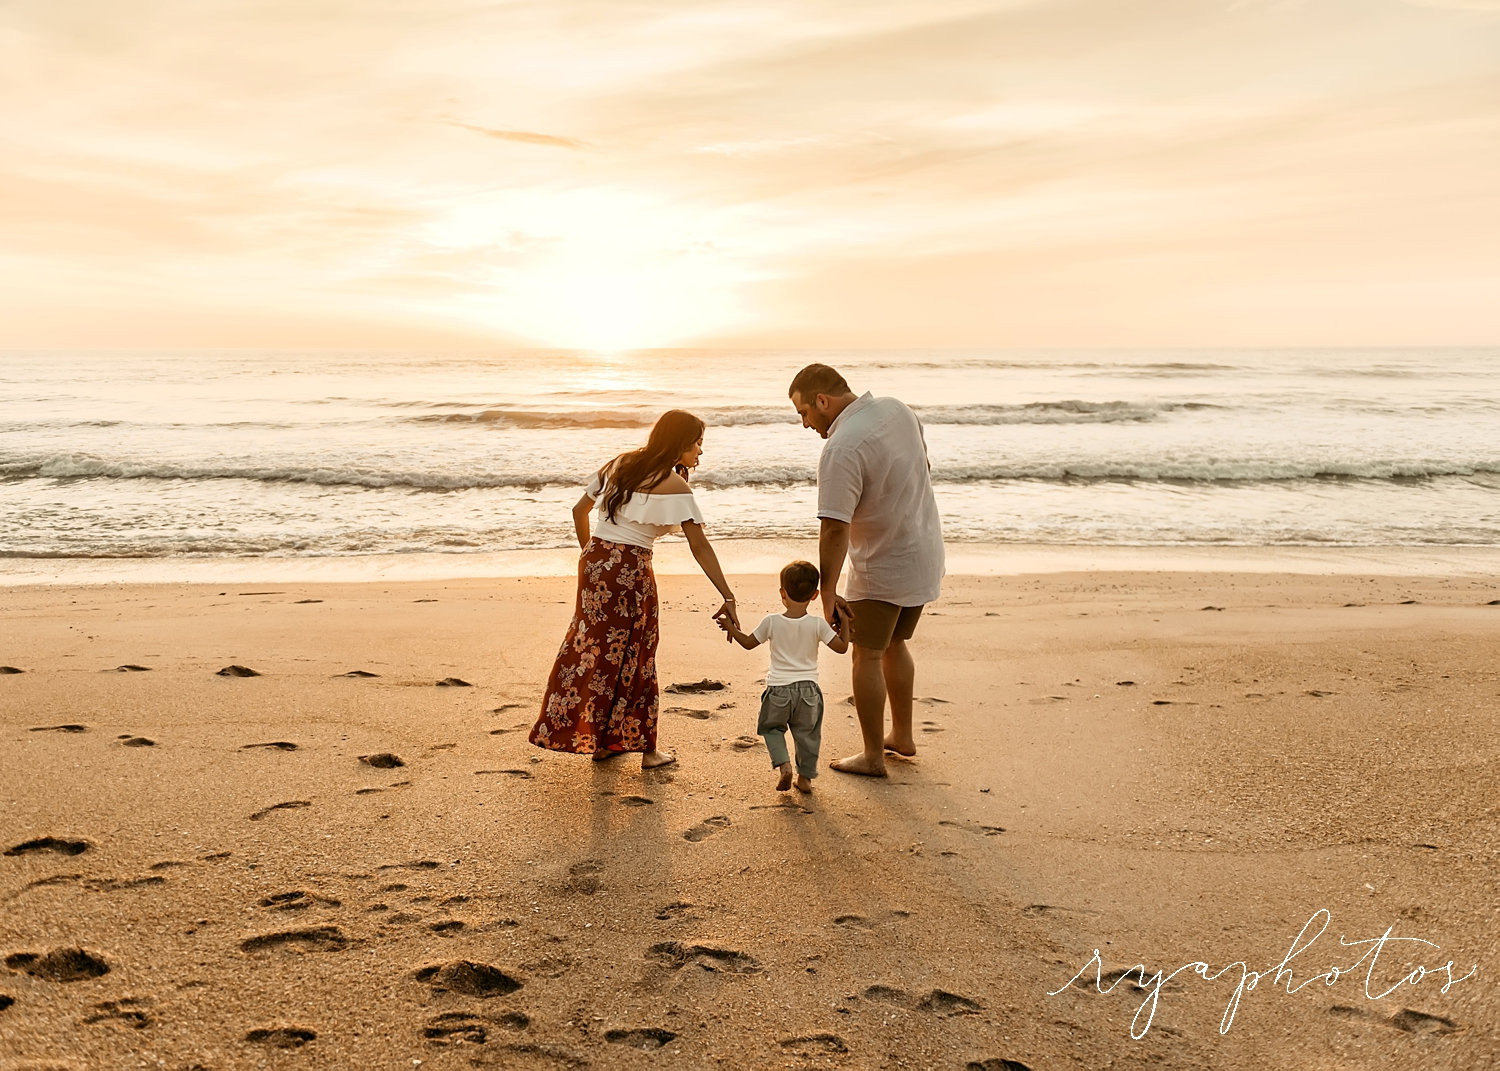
(601, 694)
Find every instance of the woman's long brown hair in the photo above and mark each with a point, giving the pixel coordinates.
(675, 431)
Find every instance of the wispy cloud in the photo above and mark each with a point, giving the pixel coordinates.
(526, 137)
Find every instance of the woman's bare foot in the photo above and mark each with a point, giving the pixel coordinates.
(652, 759)
(784, 782)
(860, 764)
(803, 784)
(905, 748)
(605, 756)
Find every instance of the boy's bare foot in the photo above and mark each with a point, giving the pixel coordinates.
(652, 759)
(803, 784)
(904, 747)
(784, 782)
(860, 764)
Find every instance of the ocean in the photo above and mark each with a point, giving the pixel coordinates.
(132, 456)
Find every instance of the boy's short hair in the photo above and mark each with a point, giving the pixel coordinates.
(799, 580)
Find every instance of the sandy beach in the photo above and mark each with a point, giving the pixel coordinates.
(210, 871)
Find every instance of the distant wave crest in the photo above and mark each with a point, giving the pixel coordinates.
(1210, 471)
(1068, 411)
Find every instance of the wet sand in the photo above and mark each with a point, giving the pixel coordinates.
(1168, 767)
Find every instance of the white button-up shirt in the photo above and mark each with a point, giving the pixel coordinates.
(874, 475)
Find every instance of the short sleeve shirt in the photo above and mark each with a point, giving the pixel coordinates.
(794, 646)
(873, 475)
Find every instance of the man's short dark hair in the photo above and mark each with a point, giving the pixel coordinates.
(817, 379)
(799, 580)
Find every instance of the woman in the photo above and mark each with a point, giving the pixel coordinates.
(601, 696)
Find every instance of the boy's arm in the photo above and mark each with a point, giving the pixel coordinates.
(838, 643)
(748, 642)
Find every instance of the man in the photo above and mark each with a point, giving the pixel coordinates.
(876, 505)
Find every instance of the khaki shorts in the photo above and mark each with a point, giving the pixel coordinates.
(877, 623)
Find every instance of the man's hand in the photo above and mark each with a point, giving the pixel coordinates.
(837, 612)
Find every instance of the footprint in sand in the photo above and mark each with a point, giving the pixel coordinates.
(117, 884)
(453, 682)
(297, 900)
(935, 1001)
(689, 712)
(420, 864)
(474, 1029)
(311, 939)
(237, 671)
(677, 911)
(6, 670)
(275, 745)
(744, 743)
(357, 673)
(71, 727)
(383, 760)
(58, 964)
(635, 801)
(647, 1038)
(524, 775)
(281, 1037)
(50, 844)
(468, 978)
(860, 922)
(127, 1011)
(815, 1045)
(675, 955)
(6, 1000)
(996, 1063)
(1406, 1020)
(128, 667)
(585, 878)
(707, 828)
(973, 827)
(695, 687)
(289, 805)
(931, 727)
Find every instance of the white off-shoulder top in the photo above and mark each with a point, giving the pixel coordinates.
(645, 518)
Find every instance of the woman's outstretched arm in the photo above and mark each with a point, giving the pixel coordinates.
(708, 561)
(581, 512)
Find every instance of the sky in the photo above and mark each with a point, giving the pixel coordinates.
(617, 174)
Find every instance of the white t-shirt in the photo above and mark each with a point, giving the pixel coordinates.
(873, 474)
(794, 646)
(645, 518)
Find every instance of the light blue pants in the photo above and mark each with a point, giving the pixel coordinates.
(799, 707)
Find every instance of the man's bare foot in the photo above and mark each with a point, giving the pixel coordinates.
(784, 782)
(860, 764)
(906, 748)
(652, 759)
(803, 784)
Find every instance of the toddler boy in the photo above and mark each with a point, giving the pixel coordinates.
(792, 699)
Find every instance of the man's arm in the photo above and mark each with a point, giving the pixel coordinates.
(833, 545)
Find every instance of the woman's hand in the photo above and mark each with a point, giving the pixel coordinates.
(726, 614)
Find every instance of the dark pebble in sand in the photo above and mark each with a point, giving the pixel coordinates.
(383, 761)
(70, 728)
(131, 667)
(453, 682)
(10, 669)
(6, 1000)
(357, 673)
(696, 687)
(237, 671)
(138, 741)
